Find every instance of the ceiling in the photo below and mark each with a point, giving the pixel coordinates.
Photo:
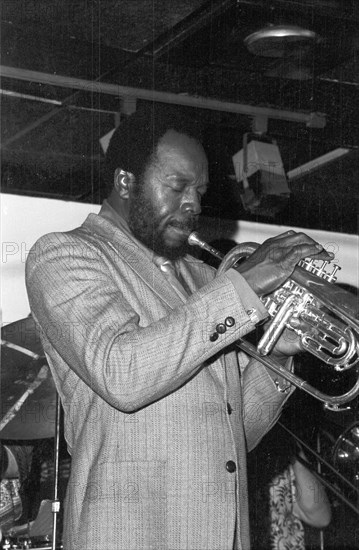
(304, 95)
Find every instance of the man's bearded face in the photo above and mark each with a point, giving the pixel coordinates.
(165, 205)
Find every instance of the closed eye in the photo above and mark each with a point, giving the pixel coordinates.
(178, 189)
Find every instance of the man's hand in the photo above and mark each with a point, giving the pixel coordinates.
(274, 261)
(288, 344)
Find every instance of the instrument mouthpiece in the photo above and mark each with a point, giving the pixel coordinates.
(194, 240)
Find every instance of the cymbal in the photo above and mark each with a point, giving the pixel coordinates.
(28, 393)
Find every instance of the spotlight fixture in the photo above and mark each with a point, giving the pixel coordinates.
(281, 41)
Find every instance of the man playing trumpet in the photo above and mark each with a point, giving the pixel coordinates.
(160, 410)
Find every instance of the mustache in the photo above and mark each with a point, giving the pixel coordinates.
(189, 224)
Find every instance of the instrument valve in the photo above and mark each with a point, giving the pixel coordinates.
(294, 288)
(320, 270)
(272, 309)
(289, 284)
(270, 304)
(331, 277)
(307, 264)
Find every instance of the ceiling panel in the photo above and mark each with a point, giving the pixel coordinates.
(126, 24)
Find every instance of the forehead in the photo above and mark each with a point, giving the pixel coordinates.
(181, 151)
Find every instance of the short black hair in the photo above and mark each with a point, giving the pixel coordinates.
(136, 138)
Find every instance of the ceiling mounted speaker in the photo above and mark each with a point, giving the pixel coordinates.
(281, 41)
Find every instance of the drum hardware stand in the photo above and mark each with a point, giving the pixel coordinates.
(319, 470)
(56, 503)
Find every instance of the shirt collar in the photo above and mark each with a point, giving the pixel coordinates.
(117, 218)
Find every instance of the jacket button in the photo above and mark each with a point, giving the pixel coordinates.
(231, 466)
(229, 321)
(213, 337)
(221, 328)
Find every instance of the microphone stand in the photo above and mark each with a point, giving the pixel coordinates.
(55, 502)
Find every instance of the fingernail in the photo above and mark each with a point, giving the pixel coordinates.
(319, 246)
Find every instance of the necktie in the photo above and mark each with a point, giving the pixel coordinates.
(167, 267)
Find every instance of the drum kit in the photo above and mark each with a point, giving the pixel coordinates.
(30, 411)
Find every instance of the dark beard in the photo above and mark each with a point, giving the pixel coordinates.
(144, 225)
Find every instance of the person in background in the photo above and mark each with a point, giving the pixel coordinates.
(27, 485)
(285, 494)
(15, 466)
(160, 409)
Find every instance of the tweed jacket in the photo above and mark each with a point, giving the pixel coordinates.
(158, 415)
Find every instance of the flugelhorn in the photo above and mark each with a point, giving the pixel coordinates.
(330, 313)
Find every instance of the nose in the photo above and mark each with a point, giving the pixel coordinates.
(191, 203)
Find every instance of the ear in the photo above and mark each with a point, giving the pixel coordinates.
(122, 182)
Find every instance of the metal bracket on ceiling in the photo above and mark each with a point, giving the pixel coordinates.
(128, 105)
(259, 124)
